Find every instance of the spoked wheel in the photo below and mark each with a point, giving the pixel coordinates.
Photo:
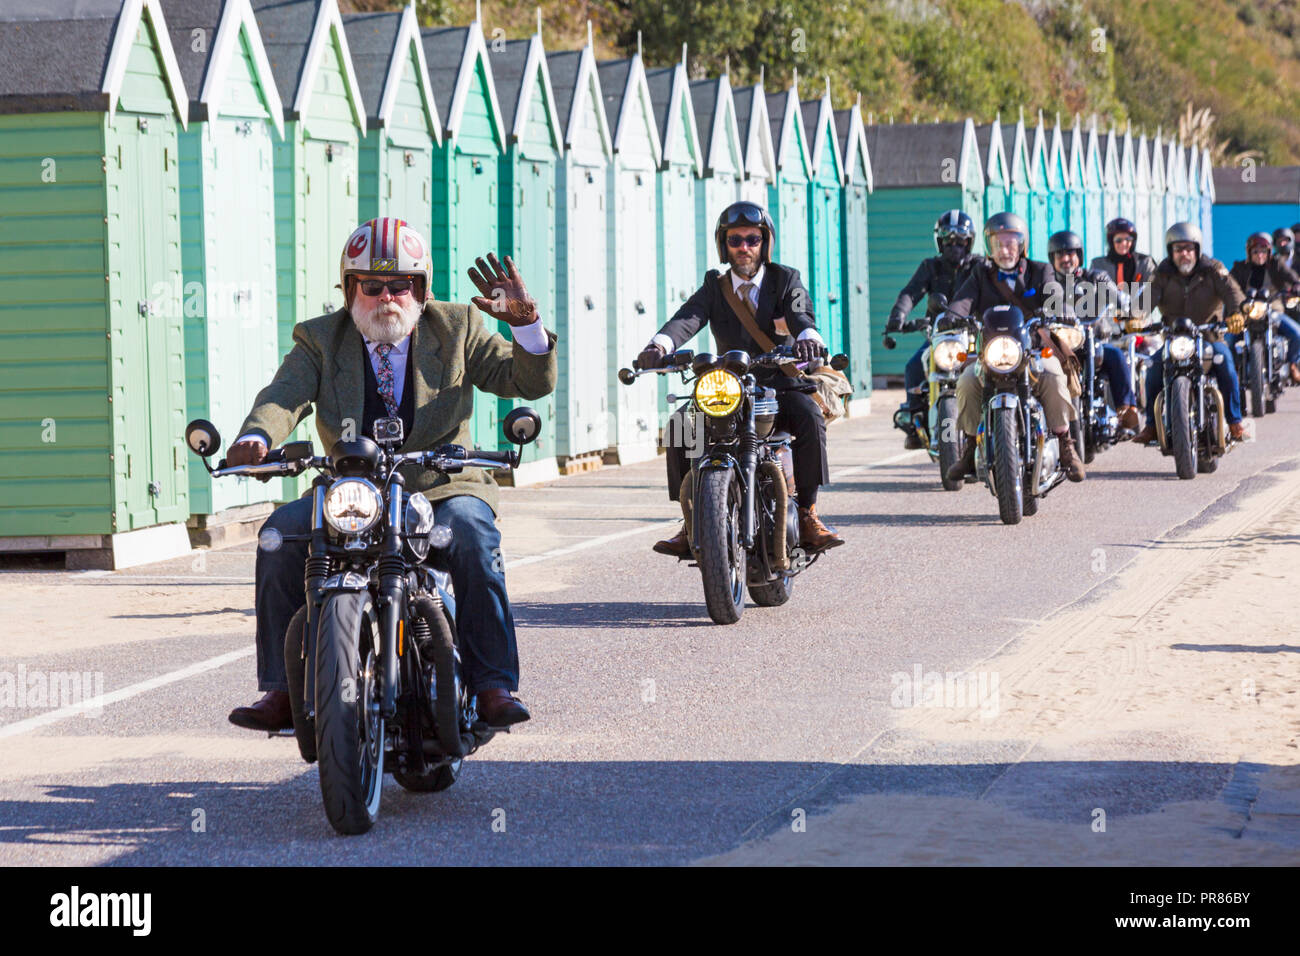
(1182, 440)
(349, 728)
(1008, 475)
(722, 557)
(1255, 378)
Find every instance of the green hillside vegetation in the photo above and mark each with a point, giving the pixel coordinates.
(922, 60)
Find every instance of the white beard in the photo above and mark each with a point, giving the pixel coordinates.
(387, 323)
(1186, 267)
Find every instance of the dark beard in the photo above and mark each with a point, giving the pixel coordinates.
(740, 271)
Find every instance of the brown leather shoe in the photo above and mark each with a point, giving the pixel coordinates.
(1147, 435)
(1070, 459)
(269, 714)
(1128, 419)
(1295, 374)
(1237, 431)
(499, 708)
(813, 535)
(913, 441)
(965, 465)
(677, 546)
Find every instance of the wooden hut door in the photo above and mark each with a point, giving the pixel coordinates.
(588, 318)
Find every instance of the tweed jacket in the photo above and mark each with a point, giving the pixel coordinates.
(452, 354)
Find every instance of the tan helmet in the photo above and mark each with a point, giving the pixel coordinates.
(386, 245)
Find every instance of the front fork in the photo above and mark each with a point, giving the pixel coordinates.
(317, 570)
(392, 600)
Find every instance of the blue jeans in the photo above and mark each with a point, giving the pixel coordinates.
(1225, 373)
(1290, 329)
(484, 624)
(914, 376)
(1114, 365)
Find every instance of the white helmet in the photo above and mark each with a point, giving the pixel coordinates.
(387, 244)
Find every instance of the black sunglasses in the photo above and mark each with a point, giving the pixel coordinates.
(374, 287)
(735, 242)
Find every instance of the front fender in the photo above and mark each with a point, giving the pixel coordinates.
(1005, 400)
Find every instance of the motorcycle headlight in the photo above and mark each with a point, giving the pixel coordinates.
(417, 519)
(1292, 301)
(1071, 336)
(718, 393)
(352, 505)
(945, 352)
(1255, 310)
(1181, 348)
(1002, 353)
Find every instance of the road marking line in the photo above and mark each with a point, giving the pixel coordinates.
(876, 464)
(133, 690)
(590, 543)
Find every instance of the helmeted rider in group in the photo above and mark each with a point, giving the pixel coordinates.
(1130, 270)
(1284, 251)
(954, 237)
(1090, 291)
(1191, 285)
(1007, 277)
(395, 352)
(1260, 270)
(778, 305)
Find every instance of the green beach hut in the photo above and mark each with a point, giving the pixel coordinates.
(856, 274)
(1111, 179)
(724, 162)
(1057, 166)
(755, 130)
(788, 196)
(997, 175)
(1153, 243)
(1142, 189)
(825, 275)
(1020, 185)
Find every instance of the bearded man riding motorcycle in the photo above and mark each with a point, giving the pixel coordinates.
(1090, 291)
(1260, 270)
(393, 351)
(1189, 284)
(771, 300)
(1007, 277)
(954, 235)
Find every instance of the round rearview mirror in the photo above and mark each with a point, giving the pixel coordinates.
(202, 437)
(840, 362)
(626, 376)
(522, 425)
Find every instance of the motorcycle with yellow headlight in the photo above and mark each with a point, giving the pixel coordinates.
(742, 520)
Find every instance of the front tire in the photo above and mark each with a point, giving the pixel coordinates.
(722, 558)
(295, 668)
(949, 449)
(773, 593)
(1255, 377)
(349, 734)
(1182, 439)
(1008, 475)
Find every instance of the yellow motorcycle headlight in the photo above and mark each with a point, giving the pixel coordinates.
(1255, 310)
(352, 505)
(718, 393)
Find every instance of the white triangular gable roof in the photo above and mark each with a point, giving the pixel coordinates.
(1127, 165)
(1091, 151)
(681, 90)
(1142, 165)
(1158, 183)
(475, 50)
(128, 23)
(1111, 174)
(408, 34)
(237, 15)
(726, 136)
(1040, 159)
(825, 128)
(997, 154)
(1207, 175)
(328, 19)
(1020, 145)
(1193, 170)
(856, 143)
(1078, 157)
(583, 97)
(793, 115)
(536, 63)
(1057, 149)
(637, 89)
(1175, 170)
(760, 145)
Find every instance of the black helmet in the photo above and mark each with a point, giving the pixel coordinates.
(1258, 239)
(954, 225)
(1006, 222)
(1182, 232)
(1283, 233)
(1295, 229)
(1116, 226)
(744, 213)
(1064, 241)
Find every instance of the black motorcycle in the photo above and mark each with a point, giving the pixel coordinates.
(1097, 426)
(373, 662)
(1016, 455)
(1191, 423)
(952, 338)
(1260, 353)
(743, 523)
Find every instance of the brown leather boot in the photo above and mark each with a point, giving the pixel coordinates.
(965, 465)
(499, 708)
(1237, 431)
(1070, 459)
(1295, 374)
(269, 714)
(1147, 435)
(1128, 419)
(813, 535)
(913, 441)
(677, 546)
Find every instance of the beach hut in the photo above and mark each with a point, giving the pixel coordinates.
(632, 265)
(227, 193)
(1142, 190)
(1175, 183)
(997, 176)
(582, 394)
(1208, 198)
(755, 129)
(1076, 200)
(528, 172)
(1192, 210)
(1059, 189)
(1153, 243)
(465, 213)
(681, 165)
(402, 123)
(788, 197)
(919, 172)
(1042, 182)
(724, 162)
(1015, 147)
(92, 372)
(825, 275)
(1111, 180)
(854, 212)
(1251, 199)
(1127, 176)
(1094, 209)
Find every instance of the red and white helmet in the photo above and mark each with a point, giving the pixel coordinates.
(386, 245)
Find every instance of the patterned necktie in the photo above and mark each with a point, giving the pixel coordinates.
(385, 377)
(745, 289)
